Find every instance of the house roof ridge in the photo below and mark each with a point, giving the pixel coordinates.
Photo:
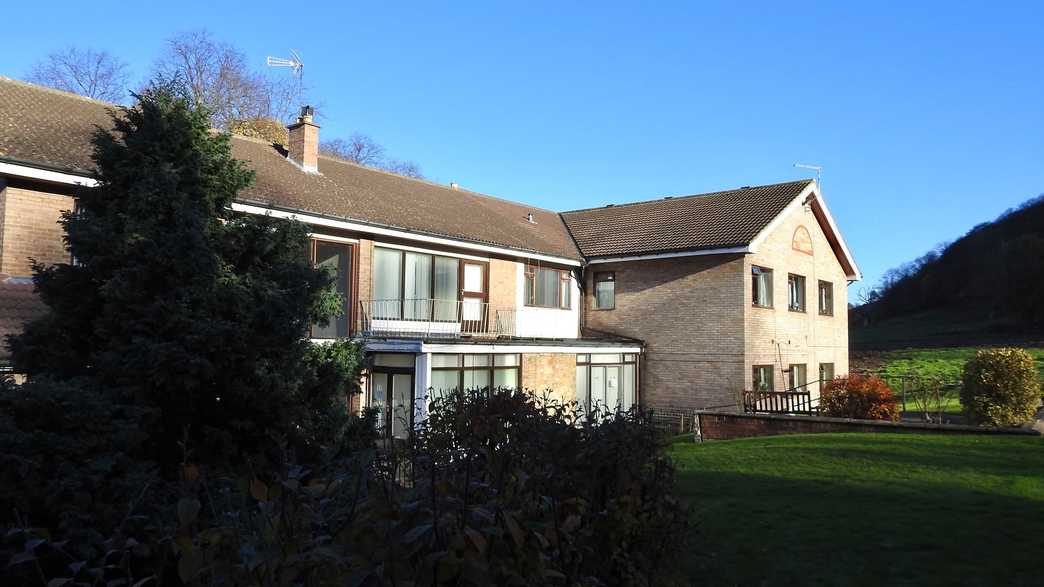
(688, 196)
(56, 91)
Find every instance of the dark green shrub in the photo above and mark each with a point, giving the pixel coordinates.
(862, 397)
(495, 488)
(71, 460)
(1000, 387)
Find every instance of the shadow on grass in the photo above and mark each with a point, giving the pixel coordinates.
(753, 528)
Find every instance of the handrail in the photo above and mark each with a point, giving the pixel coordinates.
(429, 317)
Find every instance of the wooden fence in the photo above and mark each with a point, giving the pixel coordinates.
(779, 402)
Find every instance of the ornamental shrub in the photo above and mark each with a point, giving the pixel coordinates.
(861, 397)
(495, 488)
(1000, 387)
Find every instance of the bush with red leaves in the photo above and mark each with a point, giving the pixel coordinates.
(859, 396)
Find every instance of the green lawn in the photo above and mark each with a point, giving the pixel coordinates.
(943, 363)
(865, 509)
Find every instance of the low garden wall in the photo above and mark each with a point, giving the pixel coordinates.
(729, 425)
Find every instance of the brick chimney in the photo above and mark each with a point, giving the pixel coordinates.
(304, 141)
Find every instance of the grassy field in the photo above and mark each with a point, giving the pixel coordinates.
(944, 364)
(862, 509)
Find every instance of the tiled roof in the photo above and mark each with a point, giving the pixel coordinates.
(18, 305)
(50, 128)
(716, 220)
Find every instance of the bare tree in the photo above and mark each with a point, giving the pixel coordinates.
(95, 74)
(217, 75)
(359, 148)
(406, 168)
(363, 150)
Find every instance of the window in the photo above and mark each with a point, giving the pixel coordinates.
(798, 377)
(826, 298)
(547, 288)
(605, 291)
(450, 372)
(761, 280)
(336, 258)
(796, 287)
(762, 378)
(826, 371)
(606, 381)
(414, 286)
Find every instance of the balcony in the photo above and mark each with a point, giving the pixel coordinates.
(429, 318)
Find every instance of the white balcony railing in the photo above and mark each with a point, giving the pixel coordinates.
(430, 318)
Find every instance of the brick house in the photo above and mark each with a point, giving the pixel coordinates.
(451, 288)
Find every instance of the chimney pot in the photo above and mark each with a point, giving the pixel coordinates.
(303, 149)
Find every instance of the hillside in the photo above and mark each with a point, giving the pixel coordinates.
(987, 287)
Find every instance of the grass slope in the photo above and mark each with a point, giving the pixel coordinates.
(865, 509)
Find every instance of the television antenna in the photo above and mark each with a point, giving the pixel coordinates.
(294, 63)
(819, 173)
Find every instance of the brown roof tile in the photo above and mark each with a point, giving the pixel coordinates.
(705, 221)
(51, 128)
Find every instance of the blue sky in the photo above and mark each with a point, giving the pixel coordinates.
(928, 117)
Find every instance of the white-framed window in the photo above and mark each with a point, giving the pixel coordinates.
(547, 288)
(761, 286)
(763, 378)
(826, 372)
(798, 377)
(796, 289)
(606, 381)
(454, 371)
(826, 298)
(605, 290)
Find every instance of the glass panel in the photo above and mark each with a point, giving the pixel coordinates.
(564, 287)
(446, 286)
(440, 360)
(506, 360)
(627, 399)
(476, 379)
(605, 292)
(471, 309)
(337, 257)
(581, 387)
(612, 387)
(597, 387)
(547, 287)
(379, 396)
(505, 378)
(402, 393)
(394, 360)
(443, 382)
(762, 287)
(629, 357)
(473, 277)
(417, 287)
(606, 358)
(476, 360)
(387, 281)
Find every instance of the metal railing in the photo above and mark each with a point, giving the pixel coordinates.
(431, 318)
(794, 401)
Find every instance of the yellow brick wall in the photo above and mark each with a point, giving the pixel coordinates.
(502, 284)
(778, 336)
(30, 229)
(554, 372)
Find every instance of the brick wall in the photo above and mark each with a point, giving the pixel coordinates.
(30, 228)
(690, 312)
(780, 337)
(364, 276)
(502, 284)
(720, 426)
(550, 371)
